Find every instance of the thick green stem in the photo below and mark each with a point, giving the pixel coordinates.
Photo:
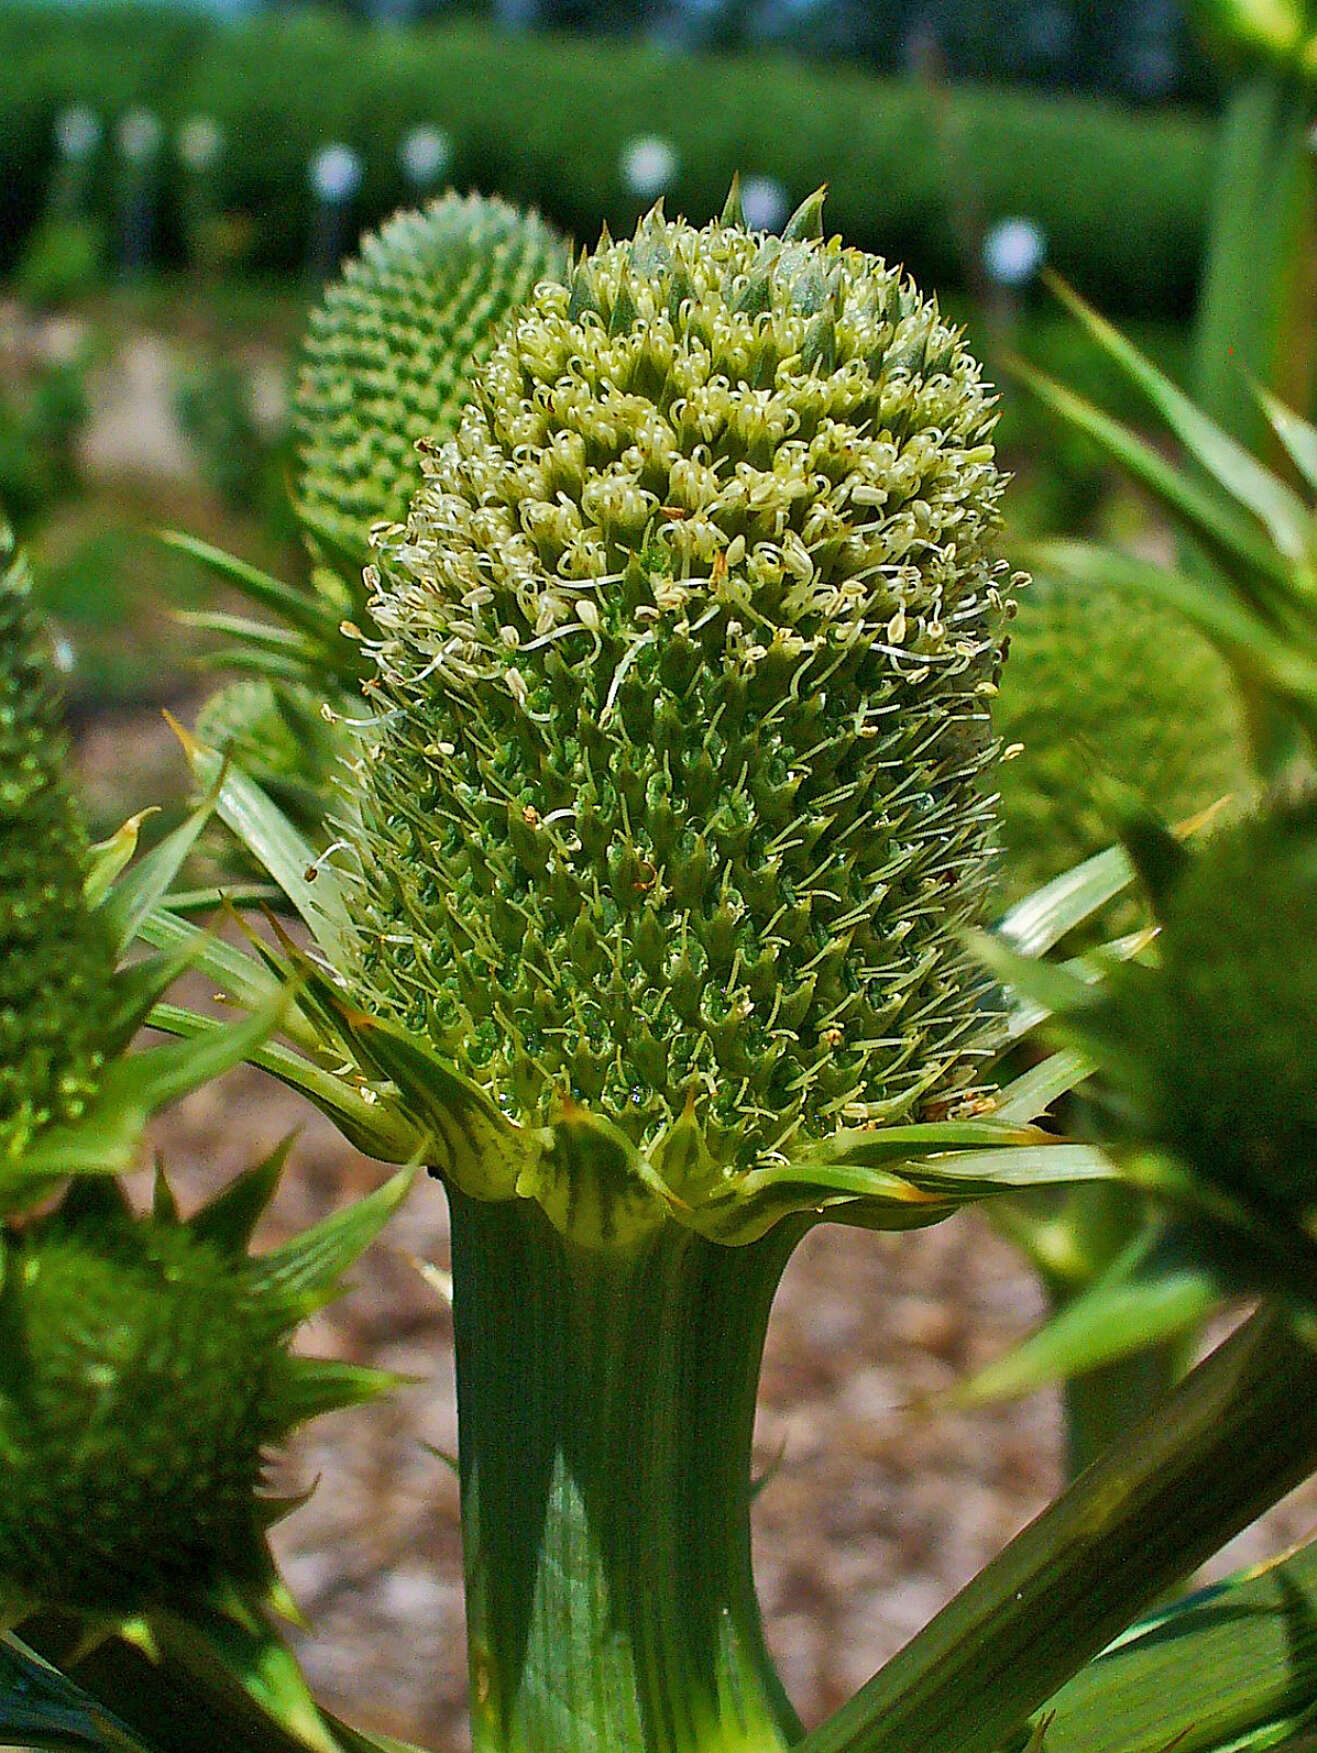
(606, 1405)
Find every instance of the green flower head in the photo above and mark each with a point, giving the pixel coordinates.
(145, 1372)
(1212, 1052)
(391, 349)
(676, 799)
(56, 957)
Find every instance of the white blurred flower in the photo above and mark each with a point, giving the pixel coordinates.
(1014, 251)
(200, 142)
(649, 163)
(335, 172)
(77, 131)
(139, 134)
(765, 203)
(424, 155)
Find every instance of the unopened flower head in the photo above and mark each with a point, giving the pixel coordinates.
(392, 347)
(56, 959)
(145, 1376)
(687, 648)
(1215, 1046)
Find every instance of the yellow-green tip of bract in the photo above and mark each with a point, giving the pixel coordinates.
(392, 346)
(145, 1372)
(55, 954)
(687, 647)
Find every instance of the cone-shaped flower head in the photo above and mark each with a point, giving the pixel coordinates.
(391, 349)
(144, 1372)
(688, 647)
(1106, 686)
(1212, 1053)
(55, 955)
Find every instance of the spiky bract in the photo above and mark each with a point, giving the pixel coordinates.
(1104, 687)
(391, 349)
(1213, 1050)
(144, 1371)
(687, 650)
(55, 955)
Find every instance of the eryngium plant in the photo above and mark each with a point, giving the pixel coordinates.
(145, 1380)
(56, 955)
(391, 349)
(678, 795)
(685, 653)
(1105, 686)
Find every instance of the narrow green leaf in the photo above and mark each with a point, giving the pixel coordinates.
(1239, 473)
(377, 1128)
(903, 1193)
(185, 902)
(1232, 1667)
(979, 1172)
(1298, 436)
(235, 974)
(256, 635)
(147, 1081)
(1033, 1092)
(41, 1708)
(134, 989)
(353, 1741)
(301, 609)
(260, 660)
(312, 1262)
(1150, 1293)
(897, 1144)
(312, 886)
(320, 1384)
(255, 1660)
(1042, 919)
(1229, 538)
(1051, 984)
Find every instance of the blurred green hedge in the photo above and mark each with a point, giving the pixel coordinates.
(1121, 195)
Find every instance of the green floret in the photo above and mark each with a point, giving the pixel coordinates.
(55, 955)
(391, 349)
(687, 651)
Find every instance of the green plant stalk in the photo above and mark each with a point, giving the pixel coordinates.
(606, 1406)
(1235, 1436)
(1256, 307)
